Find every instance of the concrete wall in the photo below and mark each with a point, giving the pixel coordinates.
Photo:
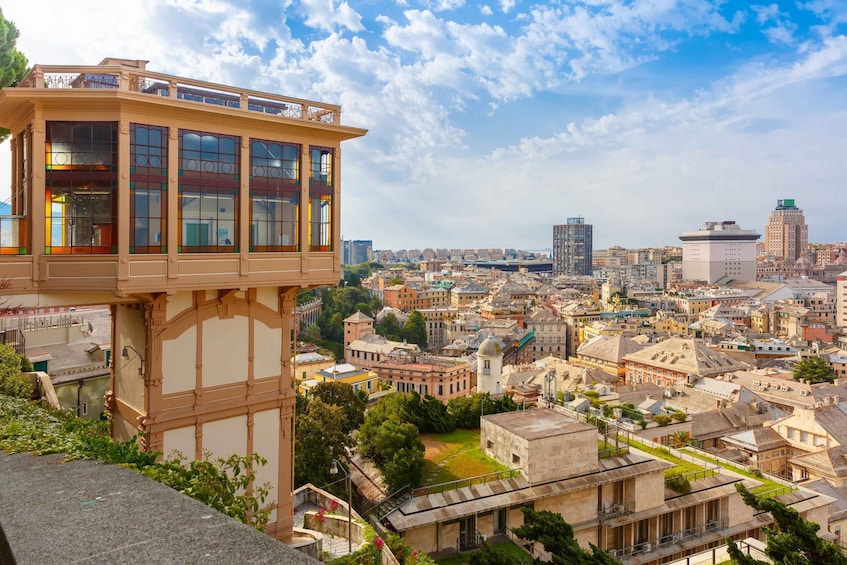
(425, 538)
(561, 456)
(648, 490)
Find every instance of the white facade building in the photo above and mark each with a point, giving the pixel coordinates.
(841, 301)
(719, 251)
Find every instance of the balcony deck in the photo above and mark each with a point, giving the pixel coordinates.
(141, 81)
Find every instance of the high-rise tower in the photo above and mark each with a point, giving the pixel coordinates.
(786, 235)
(719, 250)
(572, 248)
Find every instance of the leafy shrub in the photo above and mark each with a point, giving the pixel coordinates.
(678, 484)
(662, 419)
(12, 383)
(679, 416)
(222, 484)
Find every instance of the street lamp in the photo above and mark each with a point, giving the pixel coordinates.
(334, 471)
(125, 355)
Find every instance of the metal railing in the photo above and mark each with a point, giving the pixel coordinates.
(469, 540)
(390, 503)
(615, 510)
(710, 527)
(130, 79)
(462, 483)
(696, 475)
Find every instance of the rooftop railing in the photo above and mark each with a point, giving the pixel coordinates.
(117, 77)
(462, 483)
(712, 527)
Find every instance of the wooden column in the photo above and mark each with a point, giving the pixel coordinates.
(172, 227)
(123, 196)
(38, 206)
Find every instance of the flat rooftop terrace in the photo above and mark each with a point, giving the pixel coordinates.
(56, 511)
(537, 424)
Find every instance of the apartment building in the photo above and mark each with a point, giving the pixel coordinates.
(619, 503)
(677, 361)
(427, 375)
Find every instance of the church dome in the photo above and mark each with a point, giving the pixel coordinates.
(804, 262)
(489, 348)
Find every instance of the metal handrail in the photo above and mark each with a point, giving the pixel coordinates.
(461, 483)
(712, 526)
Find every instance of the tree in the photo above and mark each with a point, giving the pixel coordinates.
(392, 442)
(404, 469)
(793, 539)
(13, 64)
(414, 331)
(814, 370)
(466, 410)
(388, 327)
(556, 535)
(428, 414)
(342, 395)
(319, 438)
(312, 334)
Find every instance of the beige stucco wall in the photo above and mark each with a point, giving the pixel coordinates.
(226, 437)
(179, 442)
(266, 444)
(50, 336)
(449, 535)
(178, 303)
(267, 350)
(268, 296)
(179, 362)
(503, 445)
(129, 330)
(552, 458)
(123, 430)
(424, 539)
(225, 349)
(485, 523)
(649, 491)
(575, 507)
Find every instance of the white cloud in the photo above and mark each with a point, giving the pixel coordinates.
(432, 87)
(329, 16)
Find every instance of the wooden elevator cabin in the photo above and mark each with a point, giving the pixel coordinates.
(195, 210)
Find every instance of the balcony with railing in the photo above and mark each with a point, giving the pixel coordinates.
(712, 530)
(143, 82)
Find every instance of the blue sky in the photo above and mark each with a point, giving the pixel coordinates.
(490, 122)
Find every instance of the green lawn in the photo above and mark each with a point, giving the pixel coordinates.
(454, 456)
(514, 553)
(767, 484)
(681, 467)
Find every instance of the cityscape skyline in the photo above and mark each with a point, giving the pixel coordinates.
(488, 124)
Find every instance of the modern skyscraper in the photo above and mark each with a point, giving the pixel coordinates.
(787, 234)
(572, 248)
(719, 250)
(356, 251)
